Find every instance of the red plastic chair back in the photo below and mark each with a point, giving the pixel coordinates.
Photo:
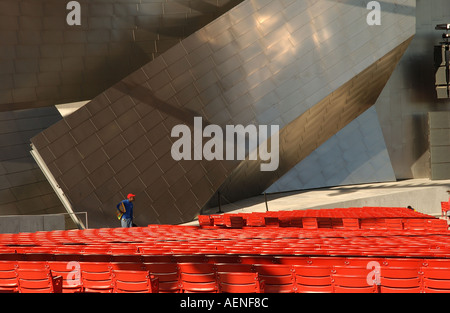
(130, 281)
(240, 283)
(38, 281)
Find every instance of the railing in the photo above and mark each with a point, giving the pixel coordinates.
(54, 184)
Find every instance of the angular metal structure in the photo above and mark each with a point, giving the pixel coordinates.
(356, 154)
(23, 187)
(313, 128)
(45, 61)
(309, 67)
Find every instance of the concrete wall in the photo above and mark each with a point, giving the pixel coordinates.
(439, 133)
(424, 195)
(18, 224)
(425, 200)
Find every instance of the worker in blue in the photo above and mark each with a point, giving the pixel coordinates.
(125, 211)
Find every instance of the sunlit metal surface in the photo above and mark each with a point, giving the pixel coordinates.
(311, 129)
(356, 154)
(410, 94)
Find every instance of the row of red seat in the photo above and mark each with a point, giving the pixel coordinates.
(237, 221)
(291, 275)
(353, 212)
(351, 218)
(180, 240)
(379, 239)
(420, 246)
(124, 240)
(72, 276)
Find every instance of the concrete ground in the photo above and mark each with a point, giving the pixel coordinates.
(424, 195)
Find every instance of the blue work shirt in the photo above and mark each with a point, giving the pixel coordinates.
(128, 207)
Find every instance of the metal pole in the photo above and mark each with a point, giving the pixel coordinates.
(53, 183)
(220, 208)
(265, 200)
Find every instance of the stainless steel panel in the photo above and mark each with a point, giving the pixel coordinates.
(115, 38)
(412, 90)
(356, 154)
(311, 129)
(23, 187)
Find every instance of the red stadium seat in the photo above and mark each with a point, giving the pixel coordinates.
(131, 281)
(96, 277)
(436, 280)
(437, 225)
(198, 277)
(8, 277)
(310, 223)
(277, 278)
(38, 281)
(255, 220)
(205, 221)
(234, 221)
(70, 273)
(350, 223)
(313, 279)
(236, 282)
(353, 279)
(400, 280)
(33, 265)
(167, 274)
(445, 207)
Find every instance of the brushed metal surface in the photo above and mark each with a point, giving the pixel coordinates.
(311, 129)
(356, 154)
(44, 61)
(23, 187)
(410, 94)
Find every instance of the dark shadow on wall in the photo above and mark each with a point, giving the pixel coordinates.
(23, 187)
(56, 63)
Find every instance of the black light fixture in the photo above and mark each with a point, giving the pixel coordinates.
(442, 27)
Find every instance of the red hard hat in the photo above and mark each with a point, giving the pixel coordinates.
(130, 195)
